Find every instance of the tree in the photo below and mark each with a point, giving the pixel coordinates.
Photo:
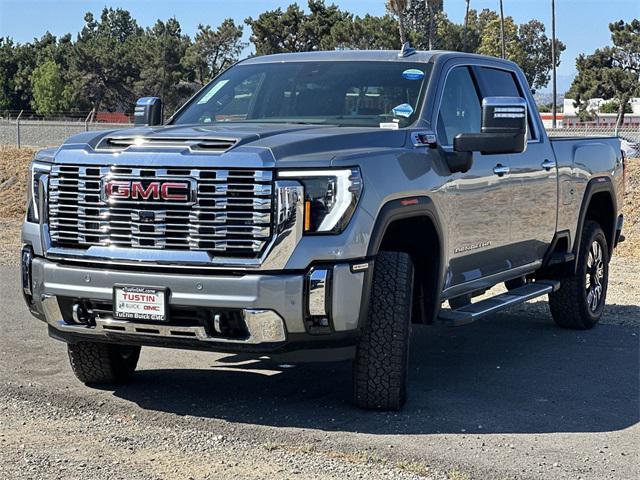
(421, 19)
(398, 9)
(278, 31)
(50, 92)
(368, 32)
(8, 69)
(451, 36)
(535, 59)
(526, 44)
(162, 73)
(610, 72)
(104, 65)
(613, 107)
(319, 23)
(213, 51)
(323, 28)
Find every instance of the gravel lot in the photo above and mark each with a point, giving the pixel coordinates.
(508, 397)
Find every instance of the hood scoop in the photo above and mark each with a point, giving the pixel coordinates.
(120, 143)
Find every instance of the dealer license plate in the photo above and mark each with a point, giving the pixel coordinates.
(139, 303)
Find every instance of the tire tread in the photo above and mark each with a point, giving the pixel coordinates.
(380, 367)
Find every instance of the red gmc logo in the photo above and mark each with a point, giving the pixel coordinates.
(167, 190)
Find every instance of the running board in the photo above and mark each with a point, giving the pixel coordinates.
(474, 311)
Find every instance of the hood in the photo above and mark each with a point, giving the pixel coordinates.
(227, 145)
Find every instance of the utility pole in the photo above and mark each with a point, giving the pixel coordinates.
(502, 30)
(553, 63)
(464, 33)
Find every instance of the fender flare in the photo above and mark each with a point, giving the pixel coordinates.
(595, 185)
(402, 209)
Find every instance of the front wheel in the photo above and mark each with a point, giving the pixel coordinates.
(579, 302)
(381, 365)
(103, 363)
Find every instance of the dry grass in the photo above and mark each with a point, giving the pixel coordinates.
(14, 164)
(631, 209)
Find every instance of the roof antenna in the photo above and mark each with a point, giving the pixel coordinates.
(406, 50)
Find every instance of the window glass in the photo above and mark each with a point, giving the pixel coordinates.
(364, 93)
(460, 106)
(498, 83)
(501, 83)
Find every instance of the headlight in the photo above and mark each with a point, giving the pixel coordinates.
(330, 197)
(38, 172)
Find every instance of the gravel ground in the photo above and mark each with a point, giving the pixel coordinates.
(63, 440)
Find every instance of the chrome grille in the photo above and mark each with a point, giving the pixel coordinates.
(230, 216)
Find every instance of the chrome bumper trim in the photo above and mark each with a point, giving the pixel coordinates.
(318, 280)
(264, 326)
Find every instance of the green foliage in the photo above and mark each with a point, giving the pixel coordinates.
(8, 68)
(50, 92)
(292, 30)
(614, 107)
(159, 53)
(104, 66)
(368, 32)
(213, 51)
(526, 44)
(610, 72)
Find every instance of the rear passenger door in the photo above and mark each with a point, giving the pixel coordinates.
(531, 179)
(477, 201)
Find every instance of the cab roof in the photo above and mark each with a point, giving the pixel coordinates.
(419, 56)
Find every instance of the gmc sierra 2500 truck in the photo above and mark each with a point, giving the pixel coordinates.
(319, 203)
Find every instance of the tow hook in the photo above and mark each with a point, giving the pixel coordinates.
(81, 314)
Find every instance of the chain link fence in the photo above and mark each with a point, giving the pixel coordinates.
(24, 129)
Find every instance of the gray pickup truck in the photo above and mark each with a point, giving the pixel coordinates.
(315, 206)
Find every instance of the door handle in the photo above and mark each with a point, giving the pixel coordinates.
(500, 170)
(548, 165)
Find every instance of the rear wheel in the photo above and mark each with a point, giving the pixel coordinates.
(579, 302)
(103, 363)
(382, 356)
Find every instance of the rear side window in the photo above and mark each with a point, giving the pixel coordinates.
(498, 83)
(459, 107)
(501, 83)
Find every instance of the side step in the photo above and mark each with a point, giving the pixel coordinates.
(474, 311)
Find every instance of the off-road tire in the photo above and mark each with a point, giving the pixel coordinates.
(570, 306)
(381, 364)
(103, 363)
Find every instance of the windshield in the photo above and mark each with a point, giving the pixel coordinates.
(380, 94)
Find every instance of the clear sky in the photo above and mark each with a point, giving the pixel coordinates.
(581, 24)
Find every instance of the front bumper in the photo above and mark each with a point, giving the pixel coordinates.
(274, 307)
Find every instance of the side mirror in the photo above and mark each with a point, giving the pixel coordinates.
(148, 112)
(503, 129)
